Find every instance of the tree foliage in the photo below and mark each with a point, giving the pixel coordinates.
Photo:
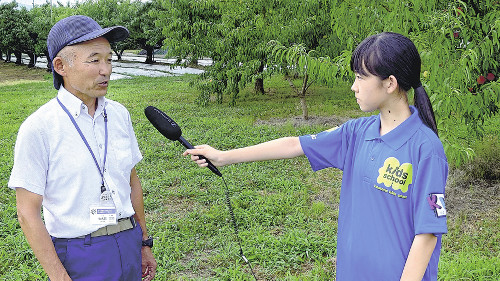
(25, 31)
(459, 46)
(458, 41)
(234, 34)
(14, 34)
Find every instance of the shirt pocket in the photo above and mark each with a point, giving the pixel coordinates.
(120, 152)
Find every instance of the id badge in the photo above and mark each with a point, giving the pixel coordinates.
(102, 215)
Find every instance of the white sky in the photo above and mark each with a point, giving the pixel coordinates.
(29, 3)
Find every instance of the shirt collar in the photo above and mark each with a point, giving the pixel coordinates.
(399, 135)
(76, 106)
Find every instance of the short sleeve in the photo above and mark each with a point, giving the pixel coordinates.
(326, 149)
(30, 159)
(429, 196)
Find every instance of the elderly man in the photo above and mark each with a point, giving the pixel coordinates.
(76, 157)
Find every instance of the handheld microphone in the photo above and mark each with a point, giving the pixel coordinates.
(168, 128)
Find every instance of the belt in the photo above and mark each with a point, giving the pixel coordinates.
(122, 225)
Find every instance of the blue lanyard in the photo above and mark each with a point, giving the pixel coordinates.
(87, 144)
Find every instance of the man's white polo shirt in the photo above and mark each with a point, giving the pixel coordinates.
(52, 160)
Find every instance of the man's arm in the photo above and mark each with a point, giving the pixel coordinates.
(148, 260)
(420, 253)
(28, 212)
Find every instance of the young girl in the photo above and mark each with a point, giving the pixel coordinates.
(392, 212)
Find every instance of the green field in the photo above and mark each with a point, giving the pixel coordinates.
(286, 214)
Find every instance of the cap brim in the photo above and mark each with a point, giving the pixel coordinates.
(113, 34)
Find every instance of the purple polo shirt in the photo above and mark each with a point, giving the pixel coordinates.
(392, 189)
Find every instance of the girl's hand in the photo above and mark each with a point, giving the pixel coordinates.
(212, 154)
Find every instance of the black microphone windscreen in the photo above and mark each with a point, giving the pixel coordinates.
(164, 124)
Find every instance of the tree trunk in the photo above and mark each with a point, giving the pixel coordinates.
(302, 96)
(149, 55)
(32, 59)
(259, 82)
(259, 86)
(19, 59)
(120, 54)
(8, 56)
(1, 55)
(303, 103)
(49, 63)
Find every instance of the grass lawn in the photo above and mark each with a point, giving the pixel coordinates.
(286, 214)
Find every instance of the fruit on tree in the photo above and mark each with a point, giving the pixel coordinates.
(481, 80)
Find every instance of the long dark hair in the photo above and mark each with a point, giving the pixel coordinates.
(389, 53)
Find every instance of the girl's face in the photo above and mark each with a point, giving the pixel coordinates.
(370, 92)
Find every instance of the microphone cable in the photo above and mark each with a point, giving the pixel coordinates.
(235, 226)
(168, 128)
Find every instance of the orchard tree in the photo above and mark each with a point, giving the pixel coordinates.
(188, 27)
(7, 11)
(38, 30)
(23, 31)
(235, 35)
(143, 30)
(40, 27)
(13, 30)
(30, 37)
(19, 38)
(110, 13)
(287, 60)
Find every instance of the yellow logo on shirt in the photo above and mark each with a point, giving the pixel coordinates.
(332, 129)
(395, 175)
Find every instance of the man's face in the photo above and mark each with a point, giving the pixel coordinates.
(88, 68)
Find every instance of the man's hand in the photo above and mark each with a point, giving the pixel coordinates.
(148, 264)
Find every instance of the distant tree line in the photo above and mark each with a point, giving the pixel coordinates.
(25, 31)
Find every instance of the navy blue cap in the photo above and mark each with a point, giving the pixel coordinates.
(77, 29)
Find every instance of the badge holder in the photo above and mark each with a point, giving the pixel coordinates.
(105, 212)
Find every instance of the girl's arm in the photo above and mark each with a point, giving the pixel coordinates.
(420, 253)
(282, 148)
